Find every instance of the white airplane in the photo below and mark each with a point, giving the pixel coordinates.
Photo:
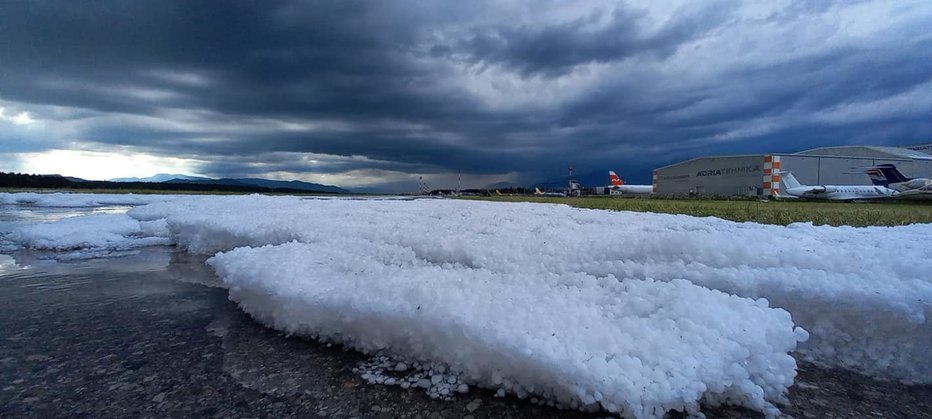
(618, 186)
(793, 189)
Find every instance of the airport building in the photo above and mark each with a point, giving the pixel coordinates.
(759, 174)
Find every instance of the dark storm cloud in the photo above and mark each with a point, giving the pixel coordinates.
(555, 49)
(252, 59)
(386, 152)
(279, 59)
(255, 165)
(481, 88)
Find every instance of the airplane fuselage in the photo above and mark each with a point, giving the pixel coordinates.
(631, 189)
(841, 192)
(618, 186)
(793, 189)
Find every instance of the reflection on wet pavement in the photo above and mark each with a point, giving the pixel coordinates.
(154, 334)
(12, 216)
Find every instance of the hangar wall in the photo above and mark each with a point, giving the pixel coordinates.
(915, 168)
(726, 175)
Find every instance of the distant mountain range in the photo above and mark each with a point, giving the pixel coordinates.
(262, 183)
(161, 177)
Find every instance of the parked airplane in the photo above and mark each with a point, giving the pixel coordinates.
(538, 192)
(909, 188)
(618, 186)
(888, 175)
(794, 189)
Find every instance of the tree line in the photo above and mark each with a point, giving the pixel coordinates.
(29, 181)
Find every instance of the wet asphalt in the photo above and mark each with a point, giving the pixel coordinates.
(151, 334)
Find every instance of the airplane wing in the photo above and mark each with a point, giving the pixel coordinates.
(779, 195)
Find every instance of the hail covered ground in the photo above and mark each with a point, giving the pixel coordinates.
(630, 313)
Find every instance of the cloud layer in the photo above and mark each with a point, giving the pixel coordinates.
(382, 92)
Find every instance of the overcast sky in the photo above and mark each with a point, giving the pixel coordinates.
(378, 93)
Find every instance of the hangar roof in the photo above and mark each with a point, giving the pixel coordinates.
(868, 151)
(724, 156)
(925, 148)
(859, 151)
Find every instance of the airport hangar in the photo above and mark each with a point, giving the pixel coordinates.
(759, 174)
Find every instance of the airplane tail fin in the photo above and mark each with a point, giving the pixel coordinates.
(878, 178)
(498, 193)
(789, 180)
(891, 173)
(537, 191)
(616, 181)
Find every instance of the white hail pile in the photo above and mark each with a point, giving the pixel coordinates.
(582, 307)
(94, 233)
(433, 378)
(638, 347)
(77, 200)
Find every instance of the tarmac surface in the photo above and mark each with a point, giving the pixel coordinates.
(152, 335)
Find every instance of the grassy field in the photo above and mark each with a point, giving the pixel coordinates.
(769, 212)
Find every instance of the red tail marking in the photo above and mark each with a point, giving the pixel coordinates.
(616, 181)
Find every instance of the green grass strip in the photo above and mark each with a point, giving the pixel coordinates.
(767, 212)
